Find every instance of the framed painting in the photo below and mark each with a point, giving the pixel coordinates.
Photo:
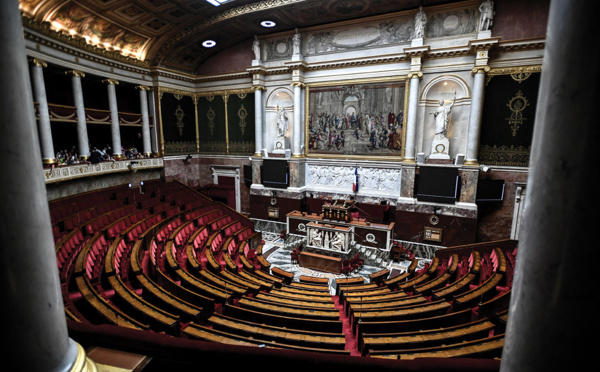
(362, 118)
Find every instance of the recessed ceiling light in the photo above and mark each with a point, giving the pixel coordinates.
(267, 24)
(218, 2)
(209, 43)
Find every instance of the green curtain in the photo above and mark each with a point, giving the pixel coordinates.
(240, 121)
(508, 118)
(178, 114)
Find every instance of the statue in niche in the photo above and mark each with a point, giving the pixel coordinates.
(282, 122)
(420, 21)
(256, 48)
(487, 15)
(441, 117)
(440, 144)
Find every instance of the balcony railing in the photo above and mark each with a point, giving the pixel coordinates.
(69, 172)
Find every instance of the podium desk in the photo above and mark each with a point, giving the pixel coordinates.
(320, 262)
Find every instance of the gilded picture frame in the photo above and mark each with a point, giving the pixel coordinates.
(356, 119)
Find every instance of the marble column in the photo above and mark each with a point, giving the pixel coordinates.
(258, 120)
(35, 328)
(154, 129)
(297, 144)
(44, 129)
(82, 136)
(411, 119)
(115, 130)
(475, 116)
(553, 320)
(147, 147)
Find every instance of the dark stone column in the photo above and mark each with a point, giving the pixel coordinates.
(34, 326)
(553, 320)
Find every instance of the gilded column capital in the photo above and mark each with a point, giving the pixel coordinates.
(39, 62)
(418, 74)
(142, 87)
(111, 81)
(75, 73)
(480, 69)
(298, 84)
(258, 87)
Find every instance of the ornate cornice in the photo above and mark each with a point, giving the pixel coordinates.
(527, 44)
(44, 28)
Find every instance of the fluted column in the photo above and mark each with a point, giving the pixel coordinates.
(83, 147)
(411, 119)
(258, 120)
(475, 115)
(553, 320)
(114, 118)
(147, 147)
(297, 144)
(34, 328)
(45, 131)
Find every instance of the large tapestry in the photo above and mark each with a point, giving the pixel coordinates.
(356, 119)
(508, 116)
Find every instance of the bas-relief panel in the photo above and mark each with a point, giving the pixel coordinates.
(353, 179)
(452, 22)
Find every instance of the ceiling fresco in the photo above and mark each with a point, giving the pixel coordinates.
(170, 33)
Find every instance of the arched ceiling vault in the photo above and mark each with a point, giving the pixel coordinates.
(170, 33)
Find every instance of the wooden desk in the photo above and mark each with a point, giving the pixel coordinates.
(120, 360)
(320, 262)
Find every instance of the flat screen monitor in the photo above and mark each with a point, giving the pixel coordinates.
(490, 190)
(247, 173)
(275, 173)
(437, 184)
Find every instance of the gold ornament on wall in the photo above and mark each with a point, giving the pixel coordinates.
(210, 115)
(179, 114)
(242, 114)
(516, 105)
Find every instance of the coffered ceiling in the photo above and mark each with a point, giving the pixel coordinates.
(170, 33)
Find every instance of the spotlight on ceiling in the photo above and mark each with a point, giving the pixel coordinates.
(209, 43)
(268, 24)
(218, 2)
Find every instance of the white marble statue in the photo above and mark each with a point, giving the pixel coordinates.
(296, 44)
(256, 49)
(487, 15)
(420, 22)
(441, 116)
(282, 122)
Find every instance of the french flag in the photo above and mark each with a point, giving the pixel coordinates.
(355, 184)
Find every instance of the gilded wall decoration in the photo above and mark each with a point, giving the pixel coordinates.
(242, 114)
(179, 114)
(517, 105)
